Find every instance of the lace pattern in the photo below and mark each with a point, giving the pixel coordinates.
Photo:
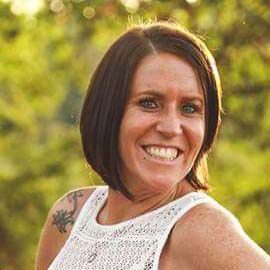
(135, 244)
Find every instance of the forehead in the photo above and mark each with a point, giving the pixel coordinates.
(166, 72)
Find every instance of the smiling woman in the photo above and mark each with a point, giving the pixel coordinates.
(103, 111)
(149, 118)
(162, 130)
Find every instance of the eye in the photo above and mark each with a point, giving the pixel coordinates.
(189, 108)
(148, 103)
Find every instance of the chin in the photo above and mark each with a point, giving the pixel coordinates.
(163, 183)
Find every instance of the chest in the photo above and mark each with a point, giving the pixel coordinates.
(141, 243)
(79, 253)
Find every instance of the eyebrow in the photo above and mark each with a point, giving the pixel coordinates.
(160, 95)
(152, 92)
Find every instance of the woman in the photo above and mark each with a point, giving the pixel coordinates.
(149, 118)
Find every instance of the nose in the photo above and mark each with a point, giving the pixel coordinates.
(169, 125)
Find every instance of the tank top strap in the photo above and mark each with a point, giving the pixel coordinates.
(191, 200)
(184, 204)
(90, 207)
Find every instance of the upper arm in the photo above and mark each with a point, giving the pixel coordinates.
(210, 238)
(59, 224)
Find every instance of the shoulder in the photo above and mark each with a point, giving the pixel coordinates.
(59, 223)
(210, 237)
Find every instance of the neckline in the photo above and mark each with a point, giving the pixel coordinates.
(123, 223)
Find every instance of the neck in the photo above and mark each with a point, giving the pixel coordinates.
(111, 213)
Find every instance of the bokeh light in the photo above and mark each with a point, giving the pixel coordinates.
(27, 7)
(89, 12)
(131, 5)
(57, 6)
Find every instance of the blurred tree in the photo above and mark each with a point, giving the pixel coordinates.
(48, 53)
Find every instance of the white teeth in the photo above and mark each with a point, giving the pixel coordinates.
(161, 153)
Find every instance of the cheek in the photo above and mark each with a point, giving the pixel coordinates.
(197, 132)
(133, 127)
(135, 124)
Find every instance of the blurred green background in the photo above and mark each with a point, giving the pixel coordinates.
(48, 51)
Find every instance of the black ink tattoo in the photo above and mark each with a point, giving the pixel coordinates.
(63, 217)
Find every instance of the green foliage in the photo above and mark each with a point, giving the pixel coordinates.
(240, 178)
(46, 62)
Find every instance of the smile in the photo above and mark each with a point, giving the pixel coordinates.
(162, 153)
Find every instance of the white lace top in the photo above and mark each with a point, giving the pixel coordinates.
(135, 244)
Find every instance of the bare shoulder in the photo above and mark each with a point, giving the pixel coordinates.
(210, 237)
(58, 225)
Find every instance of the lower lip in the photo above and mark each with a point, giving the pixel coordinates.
(166, 162)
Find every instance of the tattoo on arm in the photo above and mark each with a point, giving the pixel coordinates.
(63, 217)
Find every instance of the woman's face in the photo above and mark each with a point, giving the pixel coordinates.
(162, 128)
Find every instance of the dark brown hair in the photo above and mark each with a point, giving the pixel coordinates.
(110, 85)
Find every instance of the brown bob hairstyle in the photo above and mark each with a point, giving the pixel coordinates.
(110, 86)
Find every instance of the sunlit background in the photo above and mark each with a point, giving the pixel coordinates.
(48, 51)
